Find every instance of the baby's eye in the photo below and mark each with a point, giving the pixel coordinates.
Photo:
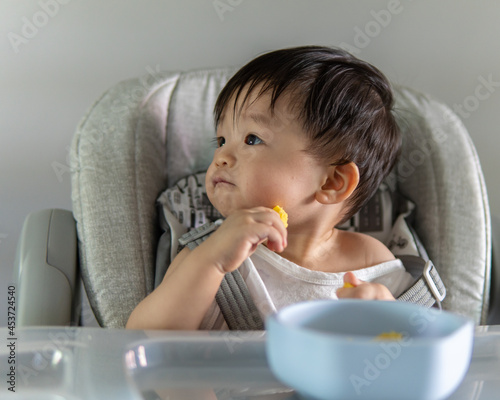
(252, 140)
(220, 140)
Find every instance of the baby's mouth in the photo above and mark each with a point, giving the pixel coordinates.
(221, 181)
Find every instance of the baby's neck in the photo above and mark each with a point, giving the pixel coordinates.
(312, 251)
(332, 251)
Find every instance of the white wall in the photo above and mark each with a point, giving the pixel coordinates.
(58, 56)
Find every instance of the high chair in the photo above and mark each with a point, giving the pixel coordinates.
(144, 134)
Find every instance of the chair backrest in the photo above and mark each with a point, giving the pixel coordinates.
(144, 134)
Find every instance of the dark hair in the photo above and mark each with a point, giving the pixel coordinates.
(344, 104)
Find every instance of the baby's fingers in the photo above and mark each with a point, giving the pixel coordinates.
(277, 233)
(276, 241)
(355, 288)
(351, 280)
(351, 283)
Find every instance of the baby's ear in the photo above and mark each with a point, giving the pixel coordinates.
(340, 182)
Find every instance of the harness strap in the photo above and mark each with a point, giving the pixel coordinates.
(236, 305)
(428, 288)
(233, 297)
(195, 237)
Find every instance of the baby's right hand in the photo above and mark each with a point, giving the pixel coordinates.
(355, 288)
(240, 234)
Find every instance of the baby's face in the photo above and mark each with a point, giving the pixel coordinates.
(261, 160)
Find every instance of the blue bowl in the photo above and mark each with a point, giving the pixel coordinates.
(327, 349)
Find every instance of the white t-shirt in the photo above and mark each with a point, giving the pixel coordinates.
(275, 282)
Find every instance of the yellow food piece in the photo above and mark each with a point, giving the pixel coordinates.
(348, 285)
(392, 335)
(283, 215)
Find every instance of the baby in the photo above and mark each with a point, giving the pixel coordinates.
(310, 129)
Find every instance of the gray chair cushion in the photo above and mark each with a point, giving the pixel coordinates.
(144, 134)
(440, 172)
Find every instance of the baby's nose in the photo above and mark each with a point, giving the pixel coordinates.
(224, 157)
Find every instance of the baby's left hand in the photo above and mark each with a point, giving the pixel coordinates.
(363, 290)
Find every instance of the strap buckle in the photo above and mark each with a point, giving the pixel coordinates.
(431, 283)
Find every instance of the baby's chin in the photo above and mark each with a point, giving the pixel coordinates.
(227, 210)
(224, 206)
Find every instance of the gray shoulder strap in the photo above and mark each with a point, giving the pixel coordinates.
(233, 297)
(428, 288)
(168, 242)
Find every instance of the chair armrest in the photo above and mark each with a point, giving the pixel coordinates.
(46, 269)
